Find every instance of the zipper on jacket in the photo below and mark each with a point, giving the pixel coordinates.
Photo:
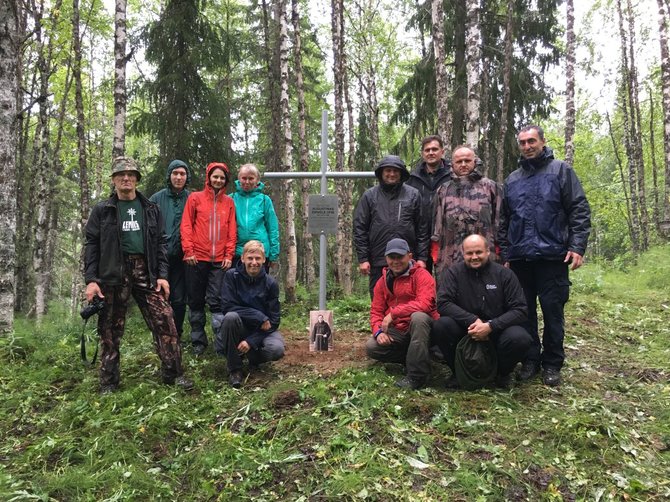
(399, 210)
(212, 229)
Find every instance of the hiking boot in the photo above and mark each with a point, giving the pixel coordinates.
(504, 382)
(109, 388)
(551, 377)
(199, 350)
(409, 383)
(235, 379)
(452, 383)
(528, 371)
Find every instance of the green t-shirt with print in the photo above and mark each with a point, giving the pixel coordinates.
(130, 217)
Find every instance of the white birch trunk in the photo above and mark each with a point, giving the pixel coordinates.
(570, 112)
(308, 246)
(118, 145)
(287, 156)
(441, 76)
(663, 15)
(473, 58)
(9, 85)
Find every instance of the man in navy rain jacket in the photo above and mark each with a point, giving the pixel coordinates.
(544, 229)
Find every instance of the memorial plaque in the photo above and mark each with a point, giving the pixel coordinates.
(322, 214)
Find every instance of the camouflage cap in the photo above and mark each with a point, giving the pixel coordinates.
(121, 164)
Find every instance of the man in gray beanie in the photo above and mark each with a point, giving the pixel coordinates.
(386, 211)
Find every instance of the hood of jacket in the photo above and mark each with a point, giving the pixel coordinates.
(541, 160)
(216, 165)
(174, 165)
(259, 189)
(392, 161)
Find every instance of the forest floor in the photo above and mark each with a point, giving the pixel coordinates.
(332, 425)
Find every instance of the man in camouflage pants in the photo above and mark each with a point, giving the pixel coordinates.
(467, 204)
(126, 254)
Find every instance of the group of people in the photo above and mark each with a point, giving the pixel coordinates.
(495, 251)
(180, 248)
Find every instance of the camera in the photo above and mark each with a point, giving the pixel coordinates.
(94, 307)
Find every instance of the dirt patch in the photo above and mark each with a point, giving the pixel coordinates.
(348, 351)
(286, 399)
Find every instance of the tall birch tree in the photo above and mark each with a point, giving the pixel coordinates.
(287, 154)
(663, 19)
(441, 74)
(303, 148)
(9, 85)
(474, 71)
(570, 112)
(120, 97)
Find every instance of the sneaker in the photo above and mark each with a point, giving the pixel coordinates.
(109, 388)
(528, 371)
(452, 383)
(235, 379)
(504, 382)
(409, 383)
(199, 349)
(551, 377)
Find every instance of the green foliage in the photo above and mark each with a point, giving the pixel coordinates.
(300, 434)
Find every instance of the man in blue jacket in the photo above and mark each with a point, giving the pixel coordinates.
(544, 229)
(171, 201)
(250, 303)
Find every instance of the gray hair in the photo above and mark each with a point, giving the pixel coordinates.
(249, 167)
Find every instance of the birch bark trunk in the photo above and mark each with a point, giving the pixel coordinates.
(570, 112)
(120, 98)
(441, 76)
(663, 18)
(287, 156)
(9, 87)
(474, 71)
(307, 244)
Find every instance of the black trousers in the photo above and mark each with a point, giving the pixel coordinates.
(549, 282)
(512, 344)
(177, 280)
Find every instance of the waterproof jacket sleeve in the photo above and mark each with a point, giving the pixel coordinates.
(92, 246)
(362, 228)
(379, 305)
(231, 229)
(422, 230)
(515, 309)
(162, 251)
(186, 226)
(423, 286)
(447, 297)
(272, 227)
(577, 209)
(503, 225)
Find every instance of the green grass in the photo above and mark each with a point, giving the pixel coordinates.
(603, 435)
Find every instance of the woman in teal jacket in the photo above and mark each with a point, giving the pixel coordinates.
(256, 217)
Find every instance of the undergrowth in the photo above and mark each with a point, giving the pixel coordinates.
(603, 435)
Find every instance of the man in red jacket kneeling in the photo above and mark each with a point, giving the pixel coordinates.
(401, 315)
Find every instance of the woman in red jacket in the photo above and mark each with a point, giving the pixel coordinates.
(208, 238)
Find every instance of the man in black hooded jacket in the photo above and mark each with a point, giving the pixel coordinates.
(387, 211)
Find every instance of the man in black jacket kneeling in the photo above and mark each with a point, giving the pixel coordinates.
(483, 300)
